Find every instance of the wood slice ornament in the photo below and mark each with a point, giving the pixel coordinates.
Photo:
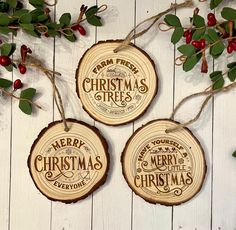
(68, 166)
(161, 167)
(115, 88)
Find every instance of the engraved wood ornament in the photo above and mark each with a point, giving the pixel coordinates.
(68, 166)
(115, 88)
(165, 168)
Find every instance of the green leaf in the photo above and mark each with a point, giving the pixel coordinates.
(228, 13)
(198, 21)
(19, 13)
(216, 75)
(4, 20)
(191, 62)
(36, 13)
(234, 154)
(28, 94)
(9, 68)
(231, 65)
(42, 18)
(29, 27)
(37, 3)
(91, 11)
(4, 83)
(219, 84)
(25, 18)
(25, 107)
(232, 74)
(53, 25)
(8, 49)
(4, 7)
(198, 33)
(217, 49)
(215, 3)
(213, 35)
(172, 20)
(187, 49)
(33, 33)
(94, 20)
(12, 3)
(217, 78)
(207, 38)
(69, 35)
(53, 33)
(177, 35)
(5, 30)
(65, 19)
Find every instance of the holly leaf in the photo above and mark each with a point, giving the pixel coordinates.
(172, 20)
(215, 3)
(8, 49)
(216, 75)
(37, 3)
(36, 13)
(4, 83)
(187, 49)
(234, 154)
(65, 19)
(177, 35)
(217, 49)
(24, 105)
(198, 21)
(4, 19)
(198, 33)
(12, 3)
(232, 74)
(25, 18)
(228, 13)
(191, 62)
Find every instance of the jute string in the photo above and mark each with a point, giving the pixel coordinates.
(33, 62)
(133, 34)
(209, 94)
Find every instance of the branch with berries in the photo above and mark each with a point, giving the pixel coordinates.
(212, 35)
(37, 23)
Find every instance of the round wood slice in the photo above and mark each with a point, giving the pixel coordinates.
(165, 168)
(115, 88)
(68, 166)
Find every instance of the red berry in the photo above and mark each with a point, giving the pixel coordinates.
(46, 35)
(22, 68)
(5, 60)
(196, 44)
(233, 44)
(186, 33)
(81, 30)
(202, 43)
(211, 19)
(17, 84)
(74, 27)
(189, 38)
(230, 48)
(211, 16)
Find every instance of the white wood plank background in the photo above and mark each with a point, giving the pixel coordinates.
(114, 206)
